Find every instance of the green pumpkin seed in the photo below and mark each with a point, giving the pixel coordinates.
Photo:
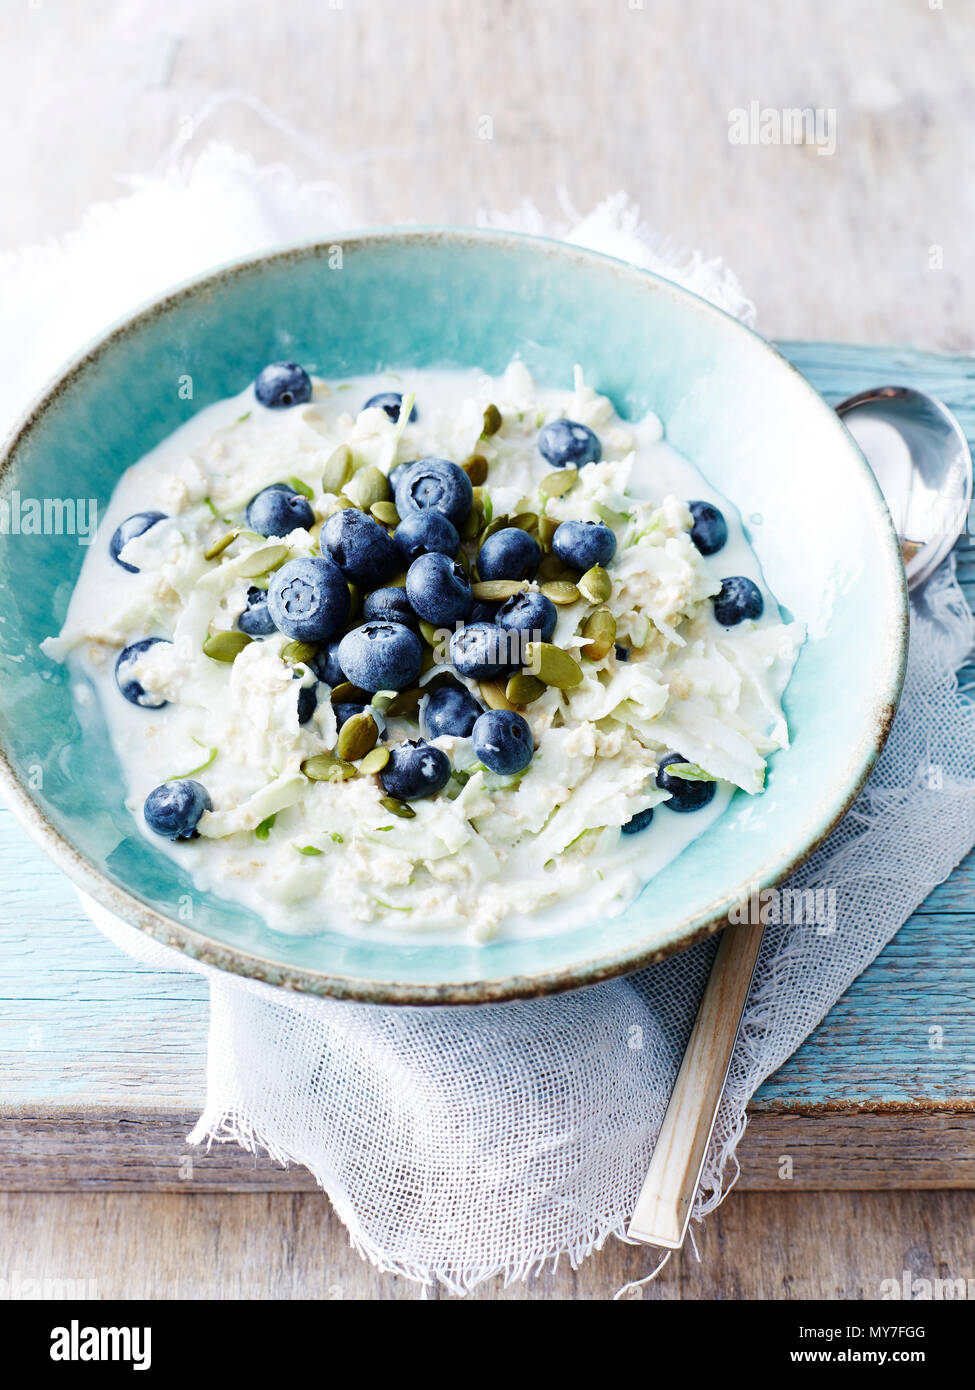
(493, 694)
(323, 767)
(525, 521)
(600, 628)
(610, 517)
(398, 808)
(357, 737)
(355, 601)
(472, 523)
(385, 513)
(560, 591)
(495, 590)
(263, 561)
(338, 469)
(345, 693)
(298, 653)
(552, 665)
(689, 772)
(374, 761)
(522, 688)
(498, 524)
(398, 581)
(225, 646)
(371, 485)
(476, 468)
(430, 632)
(558, 484)
(595, 585)
(492, 421)
(404, 701)
(547, 527)
(301, 488)
(551, 566)
(220, 546)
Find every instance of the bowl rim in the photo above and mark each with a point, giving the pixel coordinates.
(236, 960)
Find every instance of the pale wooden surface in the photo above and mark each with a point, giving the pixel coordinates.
(589, 95)
(758, 1245)
(593, 95)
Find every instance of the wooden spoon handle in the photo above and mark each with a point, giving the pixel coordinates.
(664, 1205)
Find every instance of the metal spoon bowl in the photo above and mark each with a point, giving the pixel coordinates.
(921, 459)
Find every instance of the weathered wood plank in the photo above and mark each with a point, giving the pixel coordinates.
(262, 1246)
(143, 1151)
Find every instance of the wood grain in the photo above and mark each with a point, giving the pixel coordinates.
(586, 96)
(138, 1150)
(291, 1245)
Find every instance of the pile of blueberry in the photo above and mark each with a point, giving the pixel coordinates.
(310, 600)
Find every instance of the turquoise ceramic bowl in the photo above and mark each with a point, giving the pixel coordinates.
(463, 298)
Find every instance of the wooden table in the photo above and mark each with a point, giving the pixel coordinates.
(102, 1062)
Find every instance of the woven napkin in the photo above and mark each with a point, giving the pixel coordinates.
(461, 1143)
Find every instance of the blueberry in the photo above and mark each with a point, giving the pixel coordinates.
(710, 530)
(639, 822)
(737, 599)
(424, 533)
(277, 511)
(530, 612)
(326, 664)
(622, 653)
(415, 769)
(567, 443)
(132, 689)
(309, 599)
(390, 401)
(282, 384)
(685, 795)
(483, 651)
(451, 709)
(434, 483)
(396, 472)
(484, 611)
(255, 620)
(503, 741)
(381, 656)
(583, 544)
(360, 547)
(390, 606)
(344, 710)
(439, 590)
(131, 527)
(307, 702)
(174, 809)
(509, 554)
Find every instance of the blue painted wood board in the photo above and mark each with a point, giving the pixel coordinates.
(83, 1026)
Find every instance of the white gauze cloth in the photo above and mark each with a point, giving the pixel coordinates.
(461, 1143)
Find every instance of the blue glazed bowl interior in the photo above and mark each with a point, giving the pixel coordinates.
(425, 299)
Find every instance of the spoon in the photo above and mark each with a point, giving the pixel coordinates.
(921, 459)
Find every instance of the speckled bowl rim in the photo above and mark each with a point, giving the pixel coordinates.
(199, 947)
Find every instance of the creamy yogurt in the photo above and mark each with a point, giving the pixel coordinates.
(490, 854)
